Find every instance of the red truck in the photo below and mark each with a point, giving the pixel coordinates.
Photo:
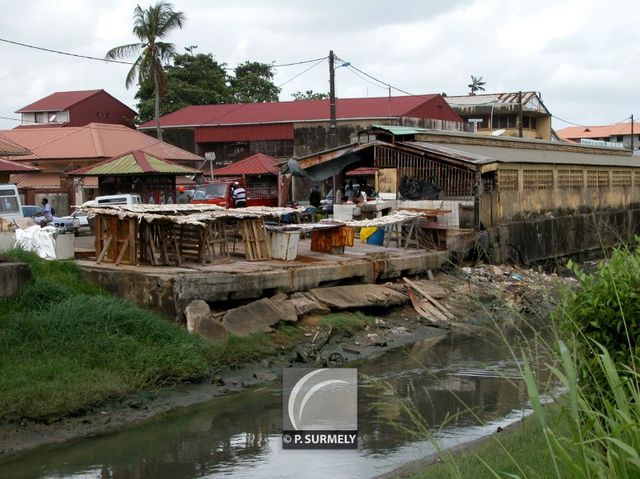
(218, 192)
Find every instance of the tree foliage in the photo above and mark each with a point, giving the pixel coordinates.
(477, 84)
(253, 83)
(150, 26)
(198, 79)
(309, 95)
(192, 79)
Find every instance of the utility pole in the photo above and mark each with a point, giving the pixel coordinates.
(632, 132)
(520, 114)
(332, 103)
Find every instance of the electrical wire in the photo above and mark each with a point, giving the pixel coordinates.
(59, 52)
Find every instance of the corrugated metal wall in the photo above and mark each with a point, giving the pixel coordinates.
(215, 134)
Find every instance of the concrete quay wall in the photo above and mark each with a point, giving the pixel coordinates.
(169, 292)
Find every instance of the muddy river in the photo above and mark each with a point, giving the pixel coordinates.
(442, 378)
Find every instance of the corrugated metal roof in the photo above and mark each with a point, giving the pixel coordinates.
(10, 148)
(399, 130)
(530, 101)
(7, 166)
(275, 131)
(602, 131)
(93, 141)
(299, 111)
(37, 181)
(480, 154)
(58, 101)
(136, 162)
(258, 164)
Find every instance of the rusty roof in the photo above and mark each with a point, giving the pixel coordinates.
(93, 141)
(10, 148)
(38, 181)
(531, 101)
(135, 162)
(258, 164)
(7, 166)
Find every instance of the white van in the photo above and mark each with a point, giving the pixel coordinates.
(114, 200)
(10, 206)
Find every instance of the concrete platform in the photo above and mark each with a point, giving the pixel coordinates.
(168, 290)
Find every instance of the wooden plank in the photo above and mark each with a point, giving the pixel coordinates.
(104, 249)
(420, 290)
(123, 250)
(427, 311)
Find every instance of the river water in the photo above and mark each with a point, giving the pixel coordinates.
(442, 378)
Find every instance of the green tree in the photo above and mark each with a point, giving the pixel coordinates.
(477, 84)
(309, 95)
(150, 26)
(193, 79)
(253, 83)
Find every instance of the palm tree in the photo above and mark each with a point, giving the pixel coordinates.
(477, 84)
(150, 26)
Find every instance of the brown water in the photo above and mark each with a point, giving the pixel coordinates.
(239, 435)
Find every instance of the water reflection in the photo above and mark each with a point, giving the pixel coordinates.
(451, 382)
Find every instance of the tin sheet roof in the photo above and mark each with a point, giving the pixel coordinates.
(135, 162)
(58, 101)
(258, 164)
(480, 154)
(93, 141)
(7, 166)
(37, 181)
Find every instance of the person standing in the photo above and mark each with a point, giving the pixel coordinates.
(239, 195)
(183, 197)
(314, 197)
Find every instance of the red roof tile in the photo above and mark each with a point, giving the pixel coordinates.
(94, 141)
(303, 110)
(58, 101)
(36, 180)
(7, 166)
(258, 164)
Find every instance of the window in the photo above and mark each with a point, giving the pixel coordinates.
(597, 179)
(619, 138)
(621, 178)
(570, 179)
(507, 180)
(537, 179)
(41, 117)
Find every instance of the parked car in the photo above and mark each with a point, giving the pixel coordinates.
(9, 202)
(64, 224)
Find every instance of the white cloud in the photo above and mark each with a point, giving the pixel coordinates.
(582, 55)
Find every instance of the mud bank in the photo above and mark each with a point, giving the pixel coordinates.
(477, 297)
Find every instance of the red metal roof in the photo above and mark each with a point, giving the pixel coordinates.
(9, 148)
(258, 164)
(135, 162)
(304, 110)
(276, 131)
(598, 131)
(94, 141)
(38, 181)
(58, 101)
(7, 166)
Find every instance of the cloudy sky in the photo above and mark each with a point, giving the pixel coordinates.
(583, 56)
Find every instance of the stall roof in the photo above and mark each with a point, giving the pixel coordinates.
(137, 162)
(258, 164)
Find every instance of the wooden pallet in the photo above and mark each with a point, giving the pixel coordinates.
(254, 237)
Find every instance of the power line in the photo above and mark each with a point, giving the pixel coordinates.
(89, 57)
(59, 52)
(302, 72)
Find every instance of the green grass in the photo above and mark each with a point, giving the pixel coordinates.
(65, 346)
(520, 451)
(345, 323)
